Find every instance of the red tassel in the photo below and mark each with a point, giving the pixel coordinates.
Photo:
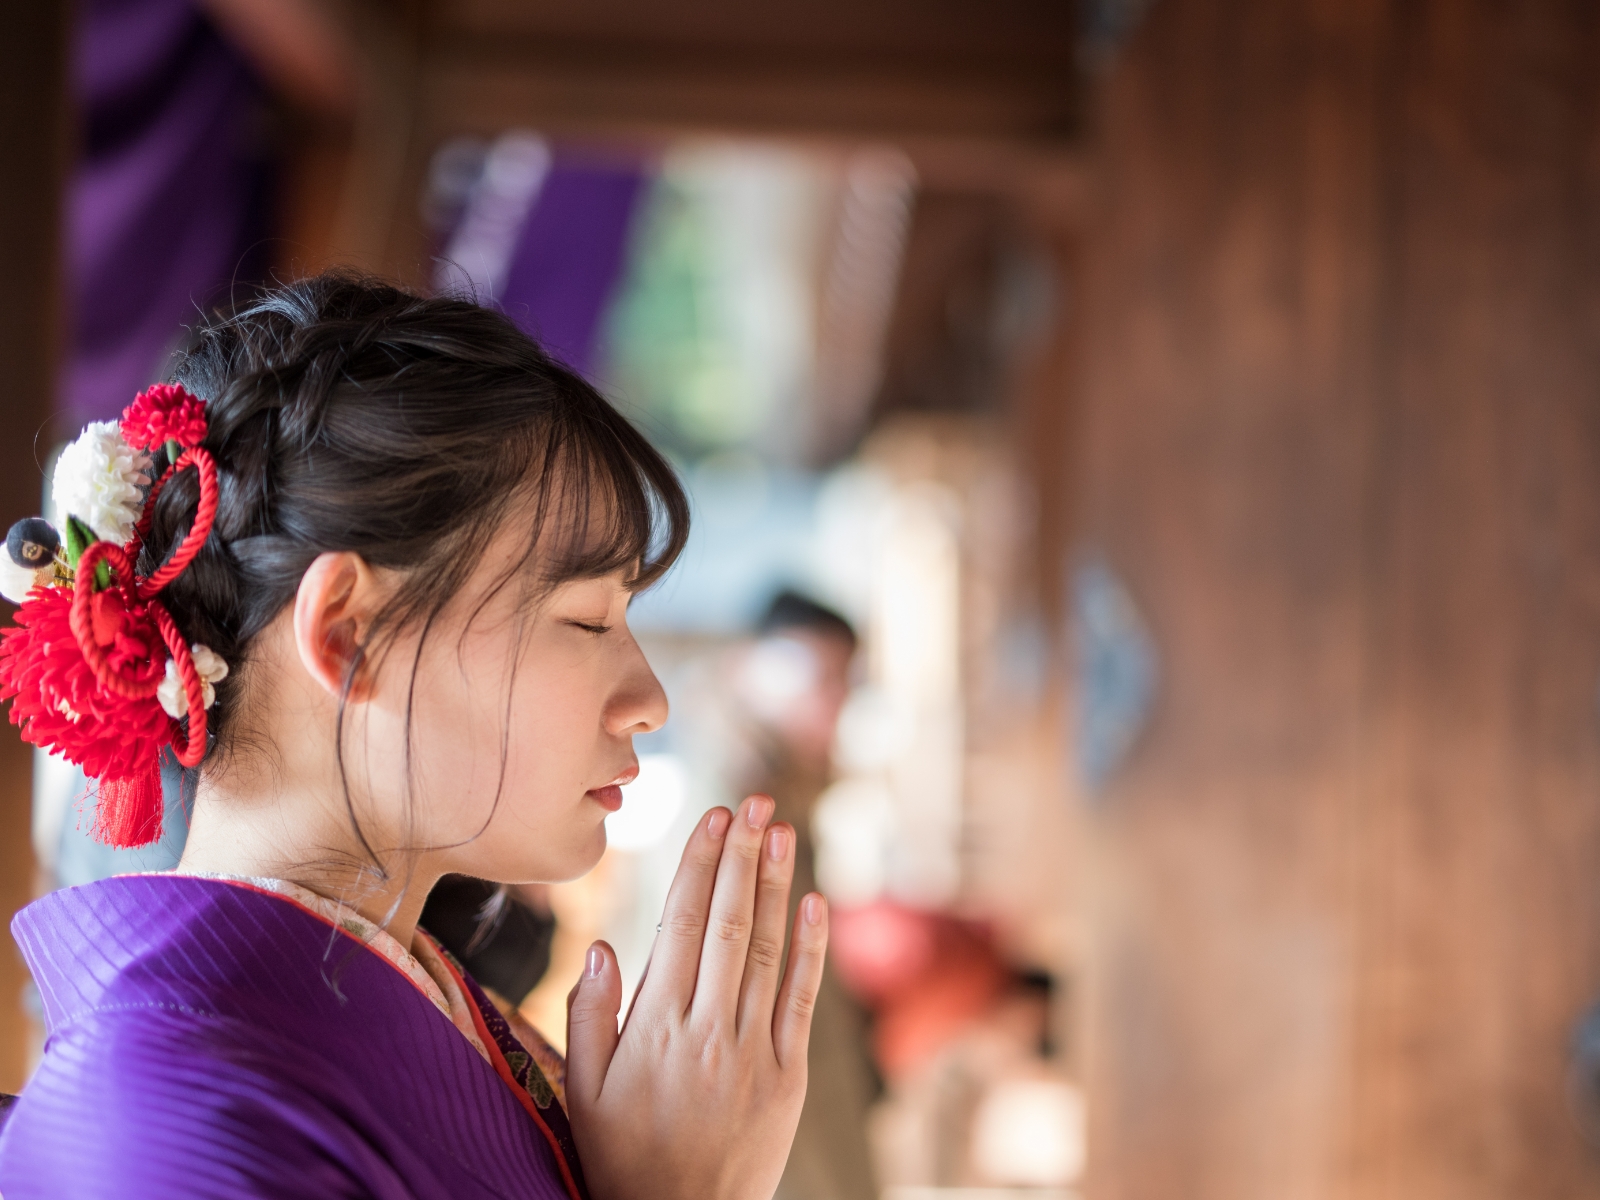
(130, 810)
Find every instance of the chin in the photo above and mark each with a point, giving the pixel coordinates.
(596, 851)
(570, 858)
(581, 860)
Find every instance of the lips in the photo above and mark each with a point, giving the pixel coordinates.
(609, 797)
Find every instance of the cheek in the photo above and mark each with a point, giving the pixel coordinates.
(544, 826)
(553, 738)
(510, 774)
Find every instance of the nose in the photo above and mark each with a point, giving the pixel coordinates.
(639, 705)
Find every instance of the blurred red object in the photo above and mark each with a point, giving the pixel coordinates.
(927, 976)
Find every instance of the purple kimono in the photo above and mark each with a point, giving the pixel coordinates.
(207, 1039)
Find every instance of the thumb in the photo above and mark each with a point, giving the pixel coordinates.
(592, 1008)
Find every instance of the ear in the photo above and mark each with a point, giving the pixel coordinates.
(333, 609)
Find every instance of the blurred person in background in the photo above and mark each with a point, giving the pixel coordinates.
(794, 679)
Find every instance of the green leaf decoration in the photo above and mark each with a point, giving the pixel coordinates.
(79, 538)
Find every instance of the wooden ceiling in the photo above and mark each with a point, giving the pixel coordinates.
(984, 97)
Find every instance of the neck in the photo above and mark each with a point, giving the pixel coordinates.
(238, 829)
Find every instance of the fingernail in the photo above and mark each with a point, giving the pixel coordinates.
(778, 844)
(812, 907)
(597, 963)
(759, 812)
(717, 824)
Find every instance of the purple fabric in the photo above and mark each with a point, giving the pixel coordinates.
(210, 1040)
(166, 204)
(570, 254)
(523, 1069)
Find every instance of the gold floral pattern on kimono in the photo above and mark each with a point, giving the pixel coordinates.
(535, 1064)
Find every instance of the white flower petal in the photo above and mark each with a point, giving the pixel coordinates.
(208, 665)
(170, 693)
(98, 479)
(17, 581)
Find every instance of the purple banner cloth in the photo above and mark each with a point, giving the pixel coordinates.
(167, 203)
(570, 254)
(207, 1039)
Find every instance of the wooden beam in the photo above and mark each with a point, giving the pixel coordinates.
(470, 89)
(1002, 35)
(887, 68)
(33, 145)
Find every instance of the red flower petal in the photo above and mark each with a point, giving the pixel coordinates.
(58, 703)
(161, 413)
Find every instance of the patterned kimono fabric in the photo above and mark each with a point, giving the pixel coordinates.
(247, 1038)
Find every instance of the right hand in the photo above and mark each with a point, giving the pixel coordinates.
(699, 1096)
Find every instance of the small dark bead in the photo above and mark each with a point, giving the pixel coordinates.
(32, 542)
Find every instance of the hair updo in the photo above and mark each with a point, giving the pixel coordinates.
(349, 415)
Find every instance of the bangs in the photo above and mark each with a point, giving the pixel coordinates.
(607, 500)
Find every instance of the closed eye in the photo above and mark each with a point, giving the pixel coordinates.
(590, 628)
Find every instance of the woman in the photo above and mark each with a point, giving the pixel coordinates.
(377, 595)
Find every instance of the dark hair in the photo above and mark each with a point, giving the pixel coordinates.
(347, 414)
(791, 610)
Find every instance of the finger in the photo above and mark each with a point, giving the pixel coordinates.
(592, 1024)
(633, 1001)
(765, 956)
(727, 941)
(791, 1019)
(675, 961)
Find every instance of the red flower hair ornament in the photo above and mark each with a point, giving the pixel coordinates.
(95, 668)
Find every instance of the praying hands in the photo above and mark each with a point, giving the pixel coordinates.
(699, 1095)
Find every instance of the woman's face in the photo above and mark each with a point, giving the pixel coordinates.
(522, 716)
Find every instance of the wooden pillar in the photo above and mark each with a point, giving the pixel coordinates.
(33, 142)
(1341, 439)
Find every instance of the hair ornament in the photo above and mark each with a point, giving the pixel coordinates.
(208, 665)
(33, 556)
(96, 669)
(164, 413)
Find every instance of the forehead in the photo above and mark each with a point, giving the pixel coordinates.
(550, 559)
(560, 518)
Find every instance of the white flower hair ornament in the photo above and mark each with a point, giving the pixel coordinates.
(208, 665)
(95, 667)
(101, 480)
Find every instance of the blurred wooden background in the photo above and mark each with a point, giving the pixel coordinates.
(33, 149)
(1341, 431)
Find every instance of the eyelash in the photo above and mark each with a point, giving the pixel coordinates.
(594, 629)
